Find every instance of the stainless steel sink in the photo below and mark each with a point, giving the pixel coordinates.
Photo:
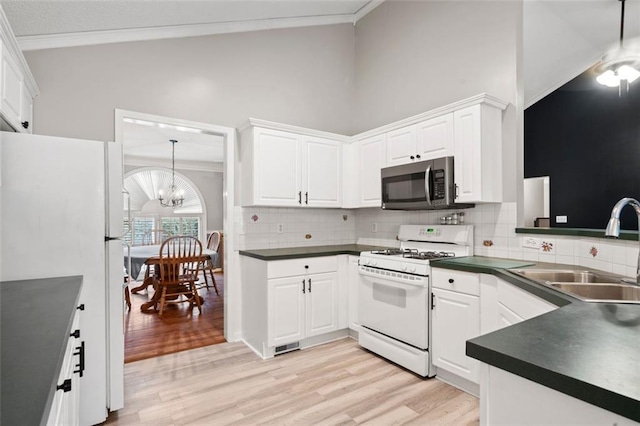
(587, 285)
(610, 292)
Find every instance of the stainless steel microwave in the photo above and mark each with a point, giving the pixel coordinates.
(423, 185)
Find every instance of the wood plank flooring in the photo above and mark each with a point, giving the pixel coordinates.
(147, 335)
(336, 383)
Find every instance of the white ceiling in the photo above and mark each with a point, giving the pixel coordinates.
(148, 145)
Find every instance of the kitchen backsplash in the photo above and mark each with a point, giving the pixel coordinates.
(494, 234)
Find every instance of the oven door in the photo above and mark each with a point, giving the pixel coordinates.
(395, 308)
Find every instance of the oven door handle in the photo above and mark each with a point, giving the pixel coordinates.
(427, 184)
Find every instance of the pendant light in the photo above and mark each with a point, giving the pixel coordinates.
(175, 196)
(620, 68)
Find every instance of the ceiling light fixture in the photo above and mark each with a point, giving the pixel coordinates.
(620, 68)
(175, 196)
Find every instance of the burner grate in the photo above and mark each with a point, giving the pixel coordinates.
(415, 254)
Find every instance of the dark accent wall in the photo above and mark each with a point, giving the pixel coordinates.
(586, 138)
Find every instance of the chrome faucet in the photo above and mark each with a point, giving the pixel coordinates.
(613, 227)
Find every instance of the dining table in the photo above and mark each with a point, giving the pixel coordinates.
(143, 259)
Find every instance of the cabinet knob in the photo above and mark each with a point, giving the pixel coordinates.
(81, 307)
(306, 266)
(25, 124)
(450, 280)
(418, 156)
(412, 157)
(75, 334)
(65, 386)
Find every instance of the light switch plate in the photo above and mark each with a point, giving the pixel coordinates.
(561, 219)
(280, 228)
(374, 227)
(530, 242)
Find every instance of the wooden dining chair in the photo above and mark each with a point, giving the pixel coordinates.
(179, 265)
(213, 243)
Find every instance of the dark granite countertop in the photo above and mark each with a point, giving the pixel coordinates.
(590, 351)
(310, 251)
(35, 323)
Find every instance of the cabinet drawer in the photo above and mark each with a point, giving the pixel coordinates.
(461, 282)
(520, 302)
(308, 265)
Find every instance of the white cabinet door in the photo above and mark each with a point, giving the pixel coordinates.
(286, 307)
(26, 116)
(322, 165)
(401, 146)
(456, 319)
(277, 168)
(12, 87)
(435, 137)
(371, 159)
(507, 317)
(477, 149)
(321, 303)
(468, 159)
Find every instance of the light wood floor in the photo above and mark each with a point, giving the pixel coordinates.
(336, 383)
(147, 335)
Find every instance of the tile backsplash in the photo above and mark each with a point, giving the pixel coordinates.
(494, 234)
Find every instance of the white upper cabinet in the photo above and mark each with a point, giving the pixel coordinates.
(478, 154)
(322, 181)
(370, 159)
(426, 140)
(289, 169)
(17, 86)
(435, 137)
(401, 146)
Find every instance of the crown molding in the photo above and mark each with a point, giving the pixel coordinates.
(200, 166)
(89, 38)
(9, 41)
(255, 122)
(366, 9)
(482, 98)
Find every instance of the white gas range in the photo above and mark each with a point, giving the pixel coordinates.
(394, 293)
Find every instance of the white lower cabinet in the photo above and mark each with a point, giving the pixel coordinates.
(65, 408)
(290, 301)
(456, 319)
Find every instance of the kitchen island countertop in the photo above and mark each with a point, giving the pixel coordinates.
(590, 351)
(35, 322)
(308, 251)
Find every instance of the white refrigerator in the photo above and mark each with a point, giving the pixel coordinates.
(61, 214)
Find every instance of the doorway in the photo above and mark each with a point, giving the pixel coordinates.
(218, 156)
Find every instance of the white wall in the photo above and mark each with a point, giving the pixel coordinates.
(300, 76)
(413, 56)
(536, 199)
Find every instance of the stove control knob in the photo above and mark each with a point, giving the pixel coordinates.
(367, 262)
(413, 269)
(374, 263)
(405, 267)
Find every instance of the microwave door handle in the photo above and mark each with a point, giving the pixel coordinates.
(427, 184)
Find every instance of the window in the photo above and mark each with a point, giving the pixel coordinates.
(181, 225)
(141, 225)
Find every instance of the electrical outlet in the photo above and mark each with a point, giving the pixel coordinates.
(530, 242)
(280, 228)
(374, 227)
(561, 219)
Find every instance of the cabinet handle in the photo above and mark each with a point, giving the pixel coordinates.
(418, 156)
(412, 157)
(309, 285)
(81, 307)
(25, 124)
(433, 301)
(80, 363)
(299, 197)
(451, 280)
(303, 290)
(65, 386)
(75, 334)
(455, 186)
(306, 198)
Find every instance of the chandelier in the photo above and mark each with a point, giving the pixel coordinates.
(620, 68)
(175, 197)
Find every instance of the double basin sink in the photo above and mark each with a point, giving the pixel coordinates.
(590, 286)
